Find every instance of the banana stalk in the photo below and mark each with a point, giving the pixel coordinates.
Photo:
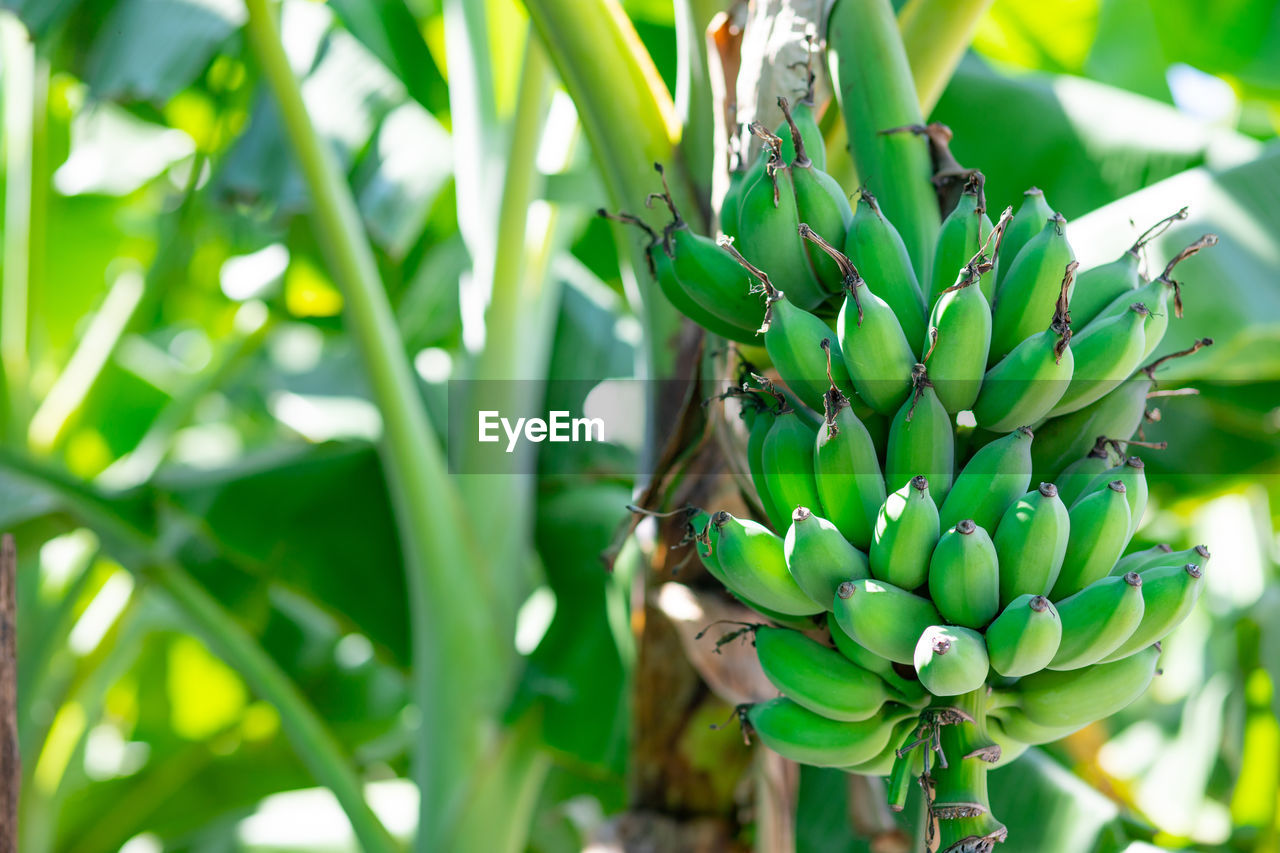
(955, 777)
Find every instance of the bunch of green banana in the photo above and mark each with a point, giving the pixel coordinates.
(943, 452)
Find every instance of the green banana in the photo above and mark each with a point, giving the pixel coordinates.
(795, 732)
(848, 471)
(1062, 441)
(821, 203)
(787, 460)
(874, 244)
(819, 558)
(793, 338)
(883, 618)
(960, 237)
(1155, 296)
(760, 429)
(1028, 382)
(921, 439)
(1029, 221)
(1098, 619)
(698, 533)
(872, 81)
(1031, 543)
(1098, 287)
(959, 336)
(710, 277)
(906, 691)
(767, 224)
(753, 564)
(1168, 593)
(805, 122)
(1131, 472)
(1078, 477)
(679, 294)
(818, 677)
(1030, 289)
(1079, 697)
(964, 578)
(1099, 534)
(996, 476)
(1025, 637)
(1011, 749)
(908, 766)
(887, 758)
(907, 530)
(1107, 353)
(951, 660)
(731, 202)
(1140, 561)
(1014, 724)
(875, 350)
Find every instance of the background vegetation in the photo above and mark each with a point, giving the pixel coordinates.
(245, 268)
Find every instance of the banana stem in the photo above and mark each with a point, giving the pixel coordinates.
(956, 780)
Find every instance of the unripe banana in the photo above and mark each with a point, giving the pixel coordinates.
(1029, 221)
(817, 677)
(907, 530)
(1131, 472)
(1011, 749)
(964, 578)
(921, 440)
(887, 758)
(752, 564)
(699, 527)
(1099, 533)
(875, 350)
(819, 558)
(994, 478)
(821, 203)
(848, 471)
(1155, 295)
(1031, 543)
(1107, 353)
(883, 618)
(1026, 384)
(1030, 289)
(1014, 724)
(1025, 636)
(908, 767)
(767, 227)
(803, 119)
(760, 429)
(795, 732)
(1079, 697)
(951, 660)
(788, 463)
(1078, 477)
(662, 266)
(1061, 441)
(959, 339)
(1168, 594)
(711, 278)
(960, 237)
(906, 691)
(731, 202)
(1097, 620)
(874, 244)
(1140, 561)
(1100, 286)
(793, 338)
